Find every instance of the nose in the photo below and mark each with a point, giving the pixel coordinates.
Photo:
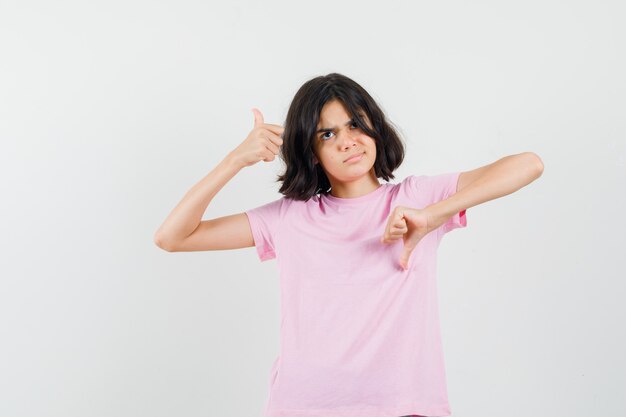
(348, 139)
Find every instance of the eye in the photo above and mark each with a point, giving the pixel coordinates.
(323, 135)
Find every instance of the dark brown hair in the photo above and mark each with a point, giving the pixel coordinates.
(303, 178)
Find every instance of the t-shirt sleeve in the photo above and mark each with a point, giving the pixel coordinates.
(264, 221)
(441, 187)
(430, 189)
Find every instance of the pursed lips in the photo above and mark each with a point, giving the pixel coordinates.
(356, 154)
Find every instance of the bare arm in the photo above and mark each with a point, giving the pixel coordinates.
(186, 217)
(183, 229)
(488, 182)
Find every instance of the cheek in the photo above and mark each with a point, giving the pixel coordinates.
(332, 161)
(328, 156)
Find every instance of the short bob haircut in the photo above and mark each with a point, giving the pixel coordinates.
(303, 178)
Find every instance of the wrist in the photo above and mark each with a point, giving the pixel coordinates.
(436, 216)
(233, 161)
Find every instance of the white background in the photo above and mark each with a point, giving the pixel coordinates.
(111, 111)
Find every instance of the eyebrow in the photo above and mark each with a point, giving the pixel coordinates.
(326, 129)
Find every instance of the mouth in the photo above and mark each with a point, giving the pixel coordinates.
(355, 157)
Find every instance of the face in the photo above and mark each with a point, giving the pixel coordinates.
(339, 139)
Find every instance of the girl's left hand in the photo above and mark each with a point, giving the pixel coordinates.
(409, 224)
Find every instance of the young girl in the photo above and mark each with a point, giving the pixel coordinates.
(359, 332)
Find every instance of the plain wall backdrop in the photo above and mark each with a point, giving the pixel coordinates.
(111, 111)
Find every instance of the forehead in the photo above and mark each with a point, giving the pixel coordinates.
(332, 110)
(335, 112)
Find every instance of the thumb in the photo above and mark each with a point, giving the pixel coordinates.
(404, 257)
(258, 117)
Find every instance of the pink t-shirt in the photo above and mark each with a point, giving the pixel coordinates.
(359, 336)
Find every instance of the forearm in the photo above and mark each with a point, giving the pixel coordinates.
(186, 216)
(501, 178)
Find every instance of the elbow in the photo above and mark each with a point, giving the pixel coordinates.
(537, 163)
(162, 243)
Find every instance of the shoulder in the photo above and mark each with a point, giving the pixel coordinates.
(413, 185)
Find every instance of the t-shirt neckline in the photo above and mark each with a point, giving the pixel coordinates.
(366, 197)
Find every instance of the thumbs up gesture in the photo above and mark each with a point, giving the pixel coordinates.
(261, 144)
(409, 224)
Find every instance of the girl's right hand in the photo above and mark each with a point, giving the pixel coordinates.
(261, 144)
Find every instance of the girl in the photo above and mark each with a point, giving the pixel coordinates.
(359, 333)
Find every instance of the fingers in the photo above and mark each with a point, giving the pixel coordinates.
(268, 155)
(396, 227)
(393, 236)
(278, 129)
(271, 132)
(397, 231)
(273, 145)
(275, 140)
